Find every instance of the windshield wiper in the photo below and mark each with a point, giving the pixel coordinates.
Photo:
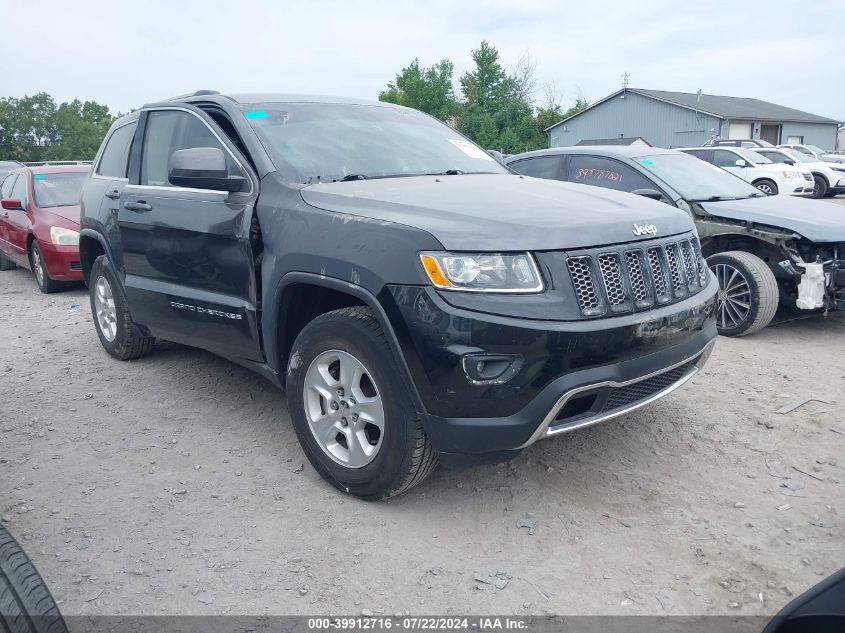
(349, 177)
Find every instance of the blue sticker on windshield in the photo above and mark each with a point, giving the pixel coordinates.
(255, 114)
(646, 161)
(39, 175)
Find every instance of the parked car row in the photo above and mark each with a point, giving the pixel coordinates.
(751, 166)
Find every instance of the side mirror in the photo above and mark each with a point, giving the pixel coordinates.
(740, 162)
(789, 162)
(11, 204)
(202, 168)
(652, 194)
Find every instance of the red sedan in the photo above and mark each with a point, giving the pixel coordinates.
(39, 223)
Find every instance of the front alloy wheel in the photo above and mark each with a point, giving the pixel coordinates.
(734, 296)
(351, 409)
(748, 292)
(104, 308)
(344, 408)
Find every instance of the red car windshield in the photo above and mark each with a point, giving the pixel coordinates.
(61, 189)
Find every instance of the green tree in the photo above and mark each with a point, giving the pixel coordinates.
(427, 89)
(34, 128)
(487, 85)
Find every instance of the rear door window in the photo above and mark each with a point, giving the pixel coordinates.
(703, 154)
(725, 158)
(115, 158)
(539, 167)
(607, 173)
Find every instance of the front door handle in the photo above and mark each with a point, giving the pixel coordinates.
(114, 194)
(137, 206)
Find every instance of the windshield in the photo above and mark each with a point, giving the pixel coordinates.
(695, 179)
(58, 189)
(751, 155)
(313, 142)
(816, 149)
(797, 156)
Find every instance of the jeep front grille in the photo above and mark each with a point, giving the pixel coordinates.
(633, 277)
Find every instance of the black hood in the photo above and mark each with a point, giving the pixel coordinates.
(491, 212)
(816, 220)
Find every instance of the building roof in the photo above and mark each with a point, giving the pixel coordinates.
(614, 141)
(723, 107)
(734, 107)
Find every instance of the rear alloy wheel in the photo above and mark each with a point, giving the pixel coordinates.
(767, 187)
(39, 269)
(819, 187)
(748, 293)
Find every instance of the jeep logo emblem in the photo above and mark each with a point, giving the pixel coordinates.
(645, 229)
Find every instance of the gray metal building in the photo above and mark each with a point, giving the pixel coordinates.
(681, 119)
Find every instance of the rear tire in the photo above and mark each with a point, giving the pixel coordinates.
(26, 605)
(118, 334)
(748, 293)
(819, 187)
(767, 186)
(367, 464)
(39, 270)
(6, 263)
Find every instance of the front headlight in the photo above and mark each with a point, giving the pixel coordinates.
(63, 237)
(483, 272)
(791, 174)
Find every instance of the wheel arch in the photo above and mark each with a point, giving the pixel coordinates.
(821, 175)
(300, 297)
(91, 246)
(768, 252)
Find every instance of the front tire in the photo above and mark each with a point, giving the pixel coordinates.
(350, 409)
(748, 293)
(39, 269)
(118, 334)
(819, 187)
(767, 186)
(26, 605)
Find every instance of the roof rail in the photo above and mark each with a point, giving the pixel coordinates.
(197, 93)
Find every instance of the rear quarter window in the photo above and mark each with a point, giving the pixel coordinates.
(115, 158)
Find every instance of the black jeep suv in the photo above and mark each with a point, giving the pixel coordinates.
(413, 296)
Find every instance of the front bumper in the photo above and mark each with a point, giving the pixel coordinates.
(570, 374)
(63, 262)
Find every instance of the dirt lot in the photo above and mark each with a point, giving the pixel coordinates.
(175, 484)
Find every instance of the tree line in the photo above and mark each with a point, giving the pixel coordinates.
(35, 128)
(495, 108)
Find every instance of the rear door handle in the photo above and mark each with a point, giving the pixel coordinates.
(114, 194)
(137, 206)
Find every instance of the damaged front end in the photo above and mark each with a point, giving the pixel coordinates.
(817, 275)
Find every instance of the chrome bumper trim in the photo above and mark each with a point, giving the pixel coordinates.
(544, 430)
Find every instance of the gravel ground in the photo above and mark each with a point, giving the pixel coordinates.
(175, 485)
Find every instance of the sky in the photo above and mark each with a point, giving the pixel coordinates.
(125, 54)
